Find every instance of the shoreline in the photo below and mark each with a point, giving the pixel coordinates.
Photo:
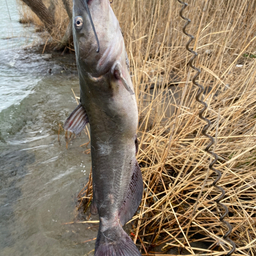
(67, 60)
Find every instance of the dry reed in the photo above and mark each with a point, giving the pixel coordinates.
(178, 210)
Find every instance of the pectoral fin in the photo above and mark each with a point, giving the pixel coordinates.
(117, 72)
(133, 196)
(77, 120)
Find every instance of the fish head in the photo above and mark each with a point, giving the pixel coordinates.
(85, 41)
(103, 75)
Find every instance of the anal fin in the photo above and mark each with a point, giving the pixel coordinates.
(77, 120)
(133, 196)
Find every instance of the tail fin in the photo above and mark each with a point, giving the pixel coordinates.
(115, 242)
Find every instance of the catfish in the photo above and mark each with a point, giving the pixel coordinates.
(108, 104)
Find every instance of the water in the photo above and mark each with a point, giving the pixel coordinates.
(39, 178)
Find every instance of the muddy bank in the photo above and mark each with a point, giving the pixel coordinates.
(59, 62)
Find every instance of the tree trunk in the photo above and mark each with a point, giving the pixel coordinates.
(52, 7)
(67, 7)
(66, 39)
(45, 15)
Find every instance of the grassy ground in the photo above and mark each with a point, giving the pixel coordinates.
(178, 206)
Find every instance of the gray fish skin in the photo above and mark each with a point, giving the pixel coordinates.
(107, 95)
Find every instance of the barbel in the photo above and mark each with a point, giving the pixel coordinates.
(93, 27)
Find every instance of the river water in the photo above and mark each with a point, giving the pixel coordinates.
(39, 178)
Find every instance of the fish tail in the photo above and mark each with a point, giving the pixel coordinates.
(115, 242)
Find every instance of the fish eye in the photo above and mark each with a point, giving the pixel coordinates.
(78, 22)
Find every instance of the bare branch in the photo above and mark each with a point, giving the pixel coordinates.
(68, 8)
(44, 14)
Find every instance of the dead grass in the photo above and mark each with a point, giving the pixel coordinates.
(178, 206)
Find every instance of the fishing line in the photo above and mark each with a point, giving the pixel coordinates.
(8, 10)
(93, 28)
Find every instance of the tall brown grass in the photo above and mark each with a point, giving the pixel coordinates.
(178, 206)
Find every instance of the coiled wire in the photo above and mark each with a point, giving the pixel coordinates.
(204, 132)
